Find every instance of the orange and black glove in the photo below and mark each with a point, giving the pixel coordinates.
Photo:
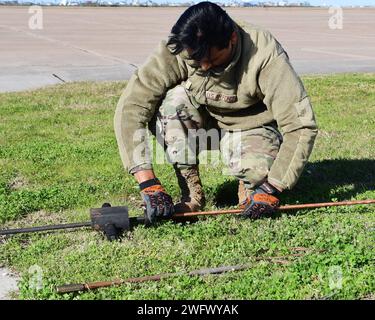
(157, 201)
(262, 201)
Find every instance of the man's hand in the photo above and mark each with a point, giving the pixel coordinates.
(261, 201)
(157, 201)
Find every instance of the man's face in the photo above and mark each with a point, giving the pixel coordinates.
(217, 57)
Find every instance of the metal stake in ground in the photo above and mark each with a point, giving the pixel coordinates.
(103, 284)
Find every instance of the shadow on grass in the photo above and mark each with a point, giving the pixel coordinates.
(321, 181)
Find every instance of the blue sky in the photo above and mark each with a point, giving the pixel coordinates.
(313, 2)
(343, 2)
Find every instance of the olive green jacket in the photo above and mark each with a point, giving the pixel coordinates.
(258, 87)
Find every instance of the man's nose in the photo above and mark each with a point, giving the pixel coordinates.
(206, 66)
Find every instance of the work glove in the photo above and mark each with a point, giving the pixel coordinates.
(157, 201)
(262, 201)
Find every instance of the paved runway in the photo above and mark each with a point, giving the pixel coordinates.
(79, 43)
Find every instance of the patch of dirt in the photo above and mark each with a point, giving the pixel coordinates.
(8, 283)
(18, 183)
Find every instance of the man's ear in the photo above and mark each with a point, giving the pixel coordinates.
(234, 38)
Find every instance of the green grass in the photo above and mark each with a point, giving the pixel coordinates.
(59, 157)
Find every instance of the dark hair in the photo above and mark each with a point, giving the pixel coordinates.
(199, 28)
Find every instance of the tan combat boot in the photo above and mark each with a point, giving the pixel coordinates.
(192, 195)
(243, 194)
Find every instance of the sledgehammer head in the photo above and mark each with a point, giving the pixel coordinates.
(112, 221)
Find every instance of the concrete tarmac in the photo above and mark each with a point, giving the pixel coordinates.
(78, 43)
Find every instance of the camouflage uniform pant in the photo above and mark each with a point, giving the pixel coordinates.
(181, 122)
